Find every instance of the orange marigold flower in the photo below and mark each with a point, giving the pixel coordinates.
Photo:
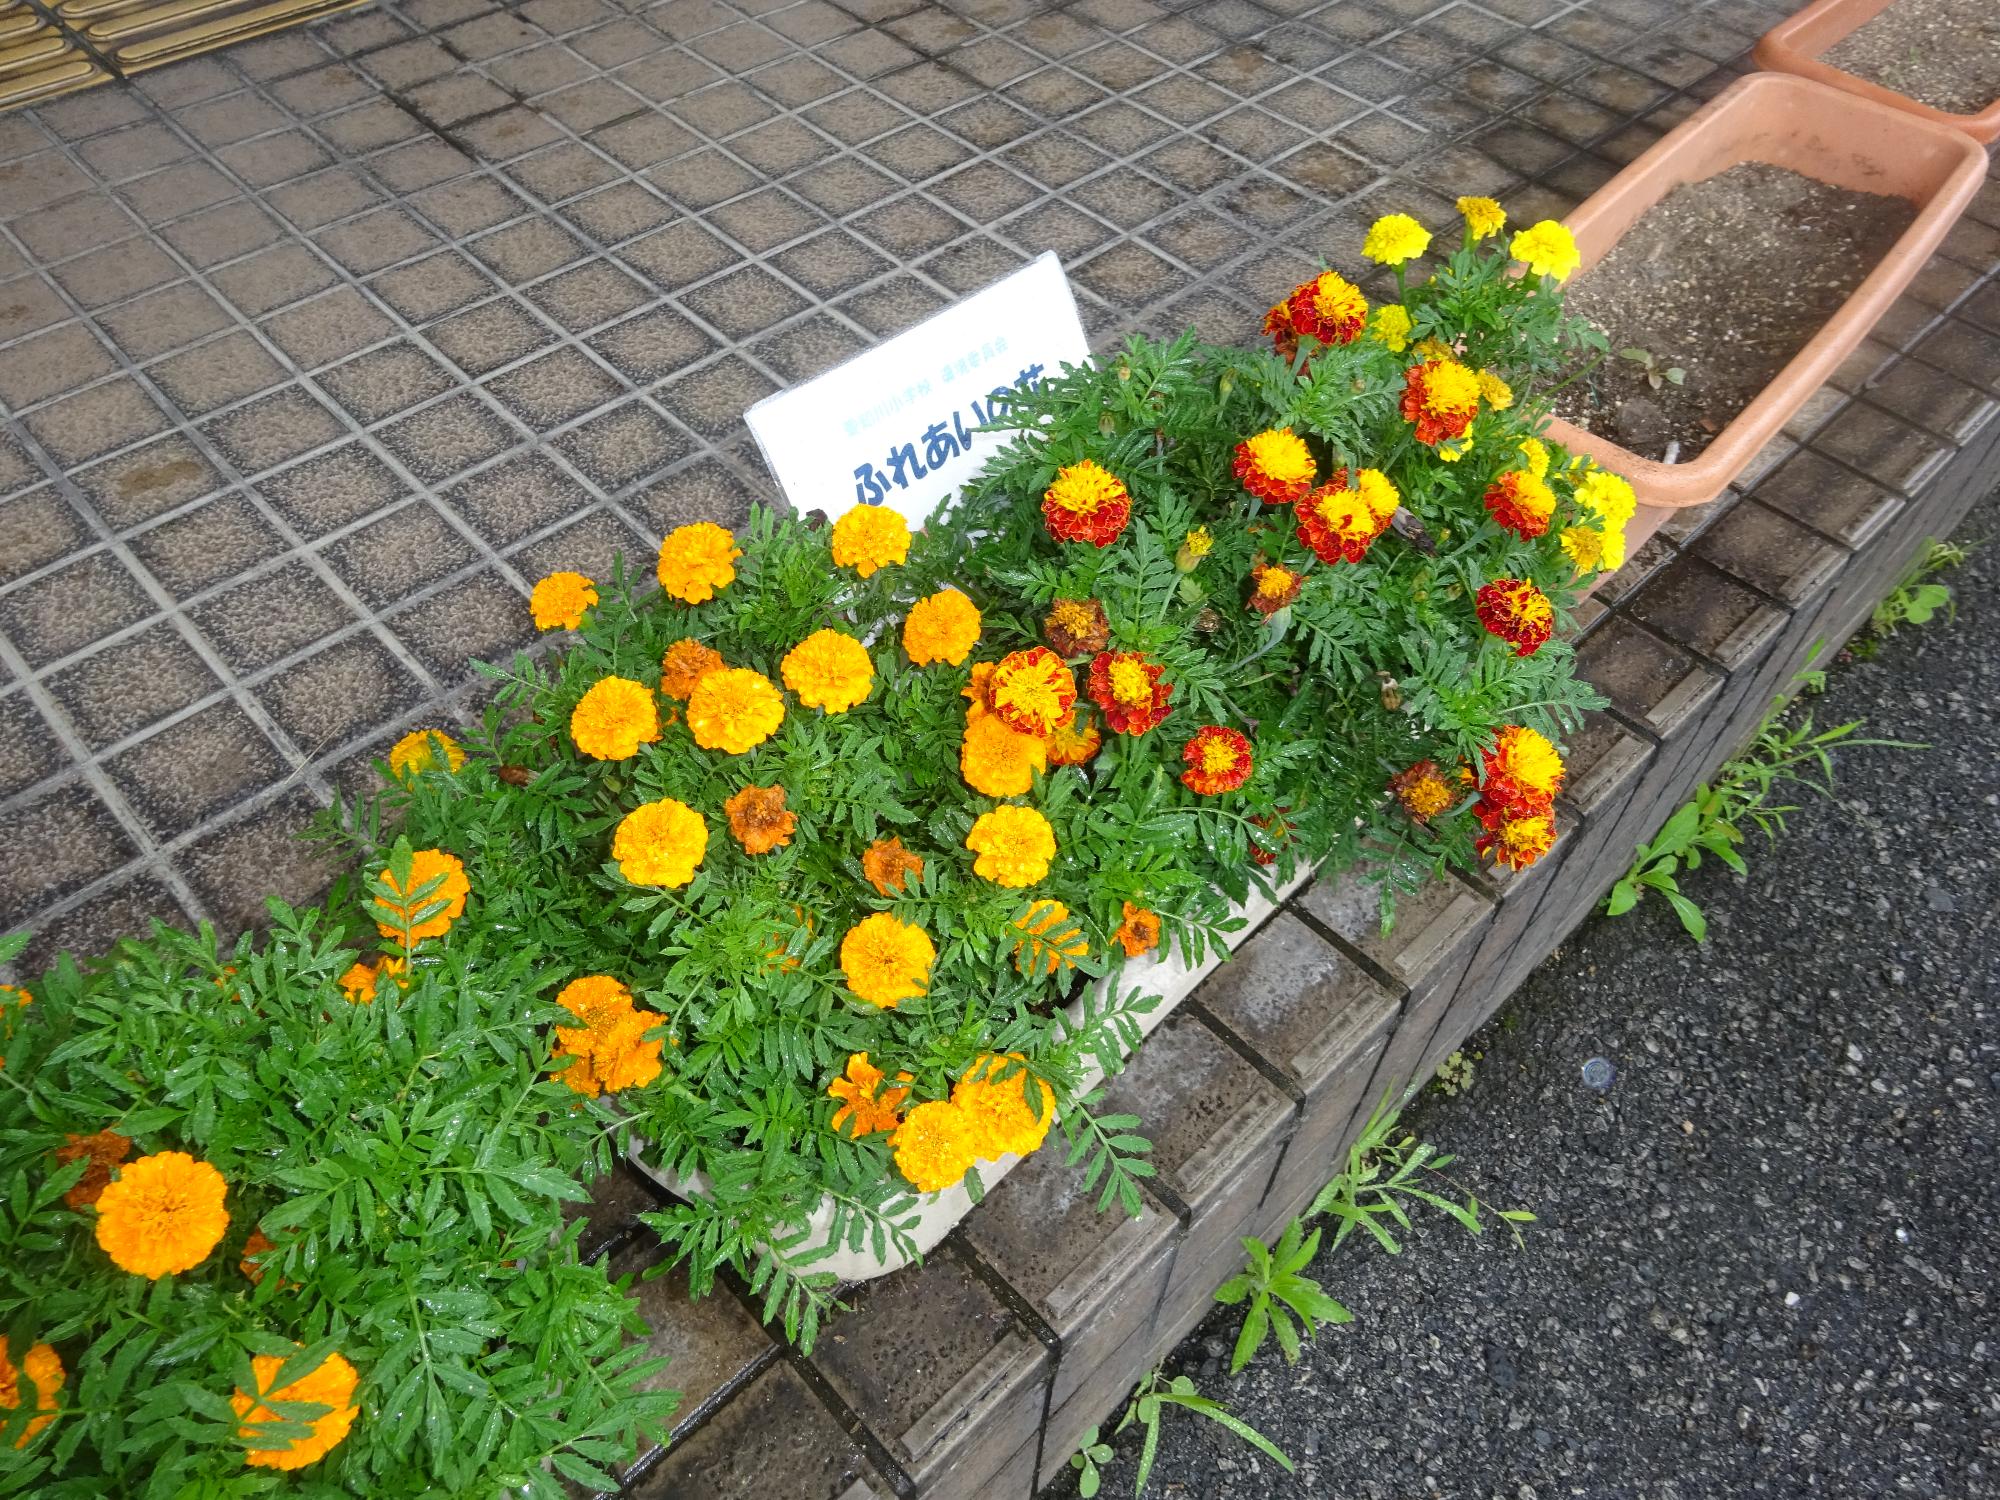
(1337, 523)
(1516, 836)
(104, 1149)
(1329, 309)
(559, 601)
(1087, 503)
(997, 1108)
(1076, 741)
(1218, 760)
(1275, 465)
(357, 985)
(330, 1385)
(886, 862)
(661, 843)
(422, 750)
(887, 961)
(1422, 790)
(1521, 503)
(1520, 767)
(1441, 396)
(999, 761)
(829, 671)
(870, 537)
(696, 560)
(683, 667)
(163, 1214)
(934, 1146)
(1272, 588)
(426, 865)
(259, 1244)
(43, 1368)
(614, 718)
(866, 1107)
(734, 709)
(1139, 932)
(1050, 941)
(1032, 690)
(1015, 846)
(942, 627)
(1516, 611)
(758, 819)
(779, 953)
(1076, 627)
(608, 1052)
(1128, 688)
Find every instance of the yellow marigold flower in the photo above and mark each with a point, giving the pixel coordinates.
(1014, 845)
(1391, 327)
(696, 560)
(684, 666)
(758, 819)
(1378, 493)
(1499, 395)
(934, 1146)
(1593, 550)
(1037, 952)
(1032, 690)
(1139, 932)
(870, 537)
(1395, 238)
(614, 718)
(426, 865)
(608, 1052)
(944, 627)
(1483, 217)
(104, 1149)
(864, 1102)
(43, 1368)
(162, 1215)
(1608, 496)
(1001, 1119)
(358, 983)
(660, 843)
(828, 671)
(887, 862)
(734, 709)
(1435, 348)
(1536, 456)
(1196, 545)
(1548, 248)
(998, 760)
(331, 1385)
(420, 750)
(886, 961)
(560, 599)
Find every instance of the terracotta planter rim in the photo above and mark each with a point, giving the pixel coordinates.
(1796, 45)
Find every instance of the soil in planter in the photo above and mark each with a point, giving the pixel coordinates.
(1944, 53)
(1723, 280)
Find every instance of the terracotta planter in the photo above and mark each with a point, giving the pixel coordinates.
(1795, 46)
(1820, 133)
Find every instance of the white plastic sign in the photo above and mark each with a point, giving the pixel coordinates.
(896, 426)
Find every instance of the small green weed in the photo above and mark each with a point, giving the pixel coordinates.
(1149, 1403)
(1656, 373)
(1277, 1293)
(1914, 601)
(1454, 1075)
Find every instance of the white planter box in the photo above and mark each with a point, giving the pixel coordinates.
(1166, 976)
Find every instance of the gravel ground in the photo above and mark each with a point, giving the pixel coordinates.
(1765, 1254)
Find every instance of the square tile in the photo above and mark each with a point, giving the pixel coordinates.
(623, 444)
(706, 490)
(392, 558)
(516, 497)
(237, 868)
(472, 205)
(374, 386)
(29, 303)
(480, 618)
(701, 179)
(213, 375)
(712, 399)
(271, 278)
(591, 294)
(224, 232)
(264, 619)
(283, 157)
(196, 768)
(652, 345)
(744, 302)
(376, 240)
(432, 287)
(149, 481)
(116, 273)
(55, 846)
(448, 438)
(29, 749)
(554, 388)
(889, 307)
(272, 429)
(51, 363)
(484, 338)
(147, 677)
(645, 140)
(180, 190)
(136, 149)
(766, 219)
(678, 255)
(561, 171)
(328, 328)
(619, 213)
(352, 688)
(332, 489)
(72, 227)
(314, 202)
(208, 544)
(78, 428)
(810, 347)
(523, 251)
(591, 545)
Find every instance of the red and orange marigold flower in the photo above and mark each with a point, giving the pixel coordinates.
(1441, 396)
(1273, 588)
(1076, 627)
(1128, 688)
(1076, 741)
(1518, 612)
(1087, 503)
(608, 1051)
(1218, 760)
(1520, 767)
(1032, 691)
(1329, 309)
(1521, 503)
(759, 819)
(1275, 465)
(1422, 790)
(1515, 835)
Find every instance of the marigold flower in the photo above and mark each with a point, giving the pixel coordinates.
(1548, 248)
(44, 1371)
(1497, 394)
(1536, 456)
(735, 710)
(1608, 497)
(1518, 835)
(886, 961)
(870, 537)
(1516, 611)
(1593, 550)
(1087, 503)
(696, 560)
(559, 601)
(1521, 503)
(1076, 741)
(1037, 953)
(1218, 760)
(886, 862)
(426, 865)
(998, 1110)
(1521, 766)
(1196, 545)
(934, 1146)
(1434, 348)
(614, 718)
(683, 667)
(608, 1052)
(357, 985)
(866, 1107)
(1128, 688)
(1329, 309)
(420, 751)
(1422, 790)
(1139, 932)
(1441, 396)
(1391, 327)
(1032, 690)
(163, 1214)
(660, 843)
(1279, 831)
(257, 1246)
(1275, 465)
(942, 627)
(104, 1149)
(997, 760)
(758, 819)
(330, 1385)
(1394, 239)
(1273, 588)
(1340, 524)
(1015, 846)
(1076, 627)
(829, 671)
(1483, 217)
